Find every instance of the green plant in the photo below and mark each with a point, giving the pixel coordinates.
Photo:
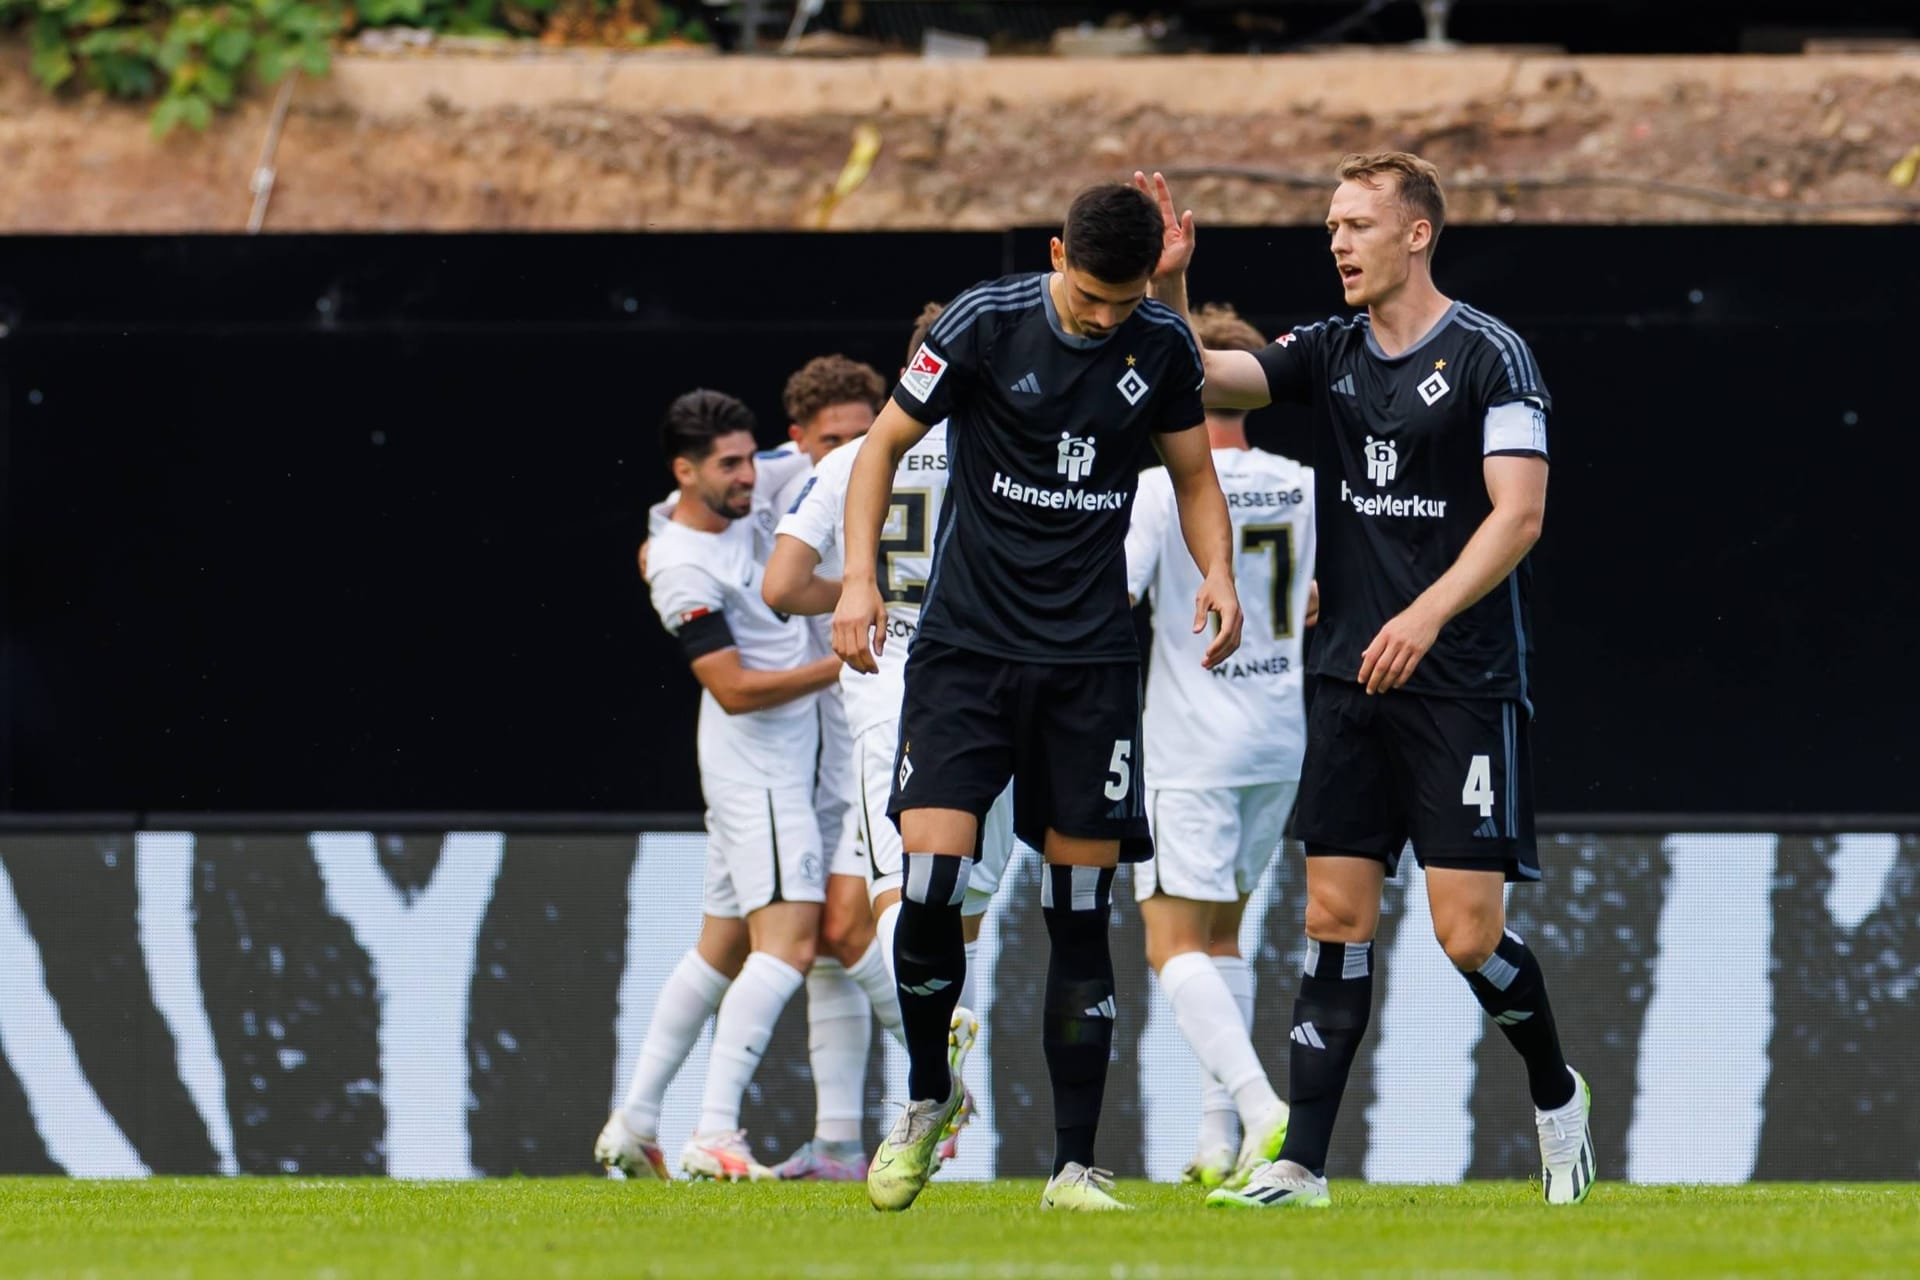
(196, 58)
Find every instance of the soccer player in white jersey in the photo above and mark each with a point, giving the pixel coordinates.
(1223, 754)
(803, 577)
(831, 400)
(757, 743)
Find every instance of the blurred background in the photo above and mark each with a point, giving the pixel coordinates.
(333, 345)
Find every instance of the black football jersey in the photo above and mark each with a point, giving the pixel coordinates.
(1399, 444)
(1046, 435)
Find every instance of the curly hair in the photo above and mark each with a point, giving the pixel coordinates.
(825, 381)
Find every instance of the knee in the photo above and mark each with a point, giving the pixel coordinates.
(1339, 919)
(798, 952)
(845, 936)
(1468, 940)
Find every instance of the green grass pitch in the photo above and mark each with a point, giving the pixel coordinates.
(341, 1230)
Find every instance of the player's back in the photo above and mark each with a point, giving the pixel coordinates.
(1241, 723)
(905, 558)
(693, 574)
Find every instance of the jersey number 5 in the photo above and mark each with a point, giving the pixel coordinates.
(905, 533)
(1277, 541)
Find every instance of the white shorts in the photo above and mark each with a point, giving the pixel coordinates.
(834, 793)
(763, 846)
(1212, 845)
(879, 839)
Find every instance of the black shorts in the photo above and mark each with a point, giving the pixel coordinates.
(1454, 775)
(1067, 734)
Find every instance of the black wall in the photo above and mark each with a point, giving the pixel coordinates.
(348, 523)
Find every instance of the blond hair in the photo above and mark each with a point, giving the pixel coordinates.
(1416, 184)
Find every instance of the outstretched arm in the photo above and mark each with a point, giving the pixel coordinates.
(1209, 534)
(860, 619)
(1235, 379)
(790, 584)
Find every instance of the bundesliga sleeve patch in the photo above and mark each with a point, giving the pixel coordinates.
(923, 373)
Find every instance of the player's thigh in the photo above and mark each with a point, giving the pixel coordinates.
(874, 752)
(1079, 768)
(1263, 811)
(957, 737)
(1469, 910)
(788, 931)
(724, 943)
(1469, 770)
(1174, 926)
(846, 921)
(769, 842)
(996, 851)
(1196, 845)
(1352, 797)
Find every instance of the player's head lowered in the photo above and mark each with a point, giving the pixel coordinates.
(831, 400)
(1106, 253)
(1220, 328)
(707, 437)
(1384, 222)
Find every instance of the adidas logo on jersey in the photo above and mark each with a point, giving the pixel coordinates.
(928, 987)
(1307, 1035)
(1028, 385)
(1513, 1017)
(1486, 830)
(1108, 1008)
(1344, 386)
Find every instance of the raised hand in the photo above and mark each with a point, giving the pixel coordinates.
(1176, 251)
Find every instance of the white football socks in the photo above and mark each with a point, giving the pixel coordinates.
(741, 1031)
(1210, 1019)
(686, 1001)
(875, 977)
(839, 1034)
(969, 989)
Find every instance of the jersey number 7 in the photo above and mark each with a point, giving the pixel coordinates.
(1277, 541)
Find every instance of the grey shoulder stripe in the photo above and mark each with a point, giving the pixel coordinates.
(962, 314)
(1516, 378)
(1174, 322)
(1519, 344)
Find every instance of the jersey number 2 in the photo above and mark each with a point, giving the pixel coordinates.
(1479, 788)
(905, 533)
(1277, 541)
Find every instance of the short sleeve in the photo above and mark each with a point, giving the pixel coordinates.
(817, 514)
(683, 594)
(1179, 406)
(1508, 391)
(1288, 361)
(781, 476)
(938, 373)
(1147, 530)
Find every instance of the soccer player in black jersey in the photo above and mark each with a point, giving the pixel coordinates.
(1430, 463)
(1053, 385)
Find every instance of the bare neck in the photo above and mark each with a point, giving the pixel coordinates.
(1226, 435)
(1408, 315)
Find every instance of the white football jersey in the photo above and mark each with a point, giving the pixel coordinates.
(694, 574)
(1244, 722)
(906, 558)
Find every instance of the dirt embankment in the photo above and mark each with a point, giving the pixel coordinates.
(581, 140)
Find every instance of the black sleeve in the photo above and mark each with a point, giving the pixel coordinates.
(705, 634)
(1504, 370)
(937, 374)
(1289, 362)
(1180, 405)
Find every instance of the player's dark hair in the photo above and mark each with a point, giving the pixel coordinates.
(1416, 182)
(921, 328)
(1114, 233)
(825, 381)
(697, 419)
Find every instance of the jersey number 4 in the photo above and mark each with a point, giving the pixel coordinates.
(905, 533)
(1276, 540)
(1479, 788)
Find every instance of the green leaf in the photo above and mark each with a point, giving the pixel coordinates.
(167, 115)
(196, 112)
(95, 13)
(272, 60)
(314, 58)
(217, 85)
(52, 63)
(229, 49)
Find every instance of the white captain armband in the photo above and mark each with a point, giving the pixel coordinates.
(1519, 426)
